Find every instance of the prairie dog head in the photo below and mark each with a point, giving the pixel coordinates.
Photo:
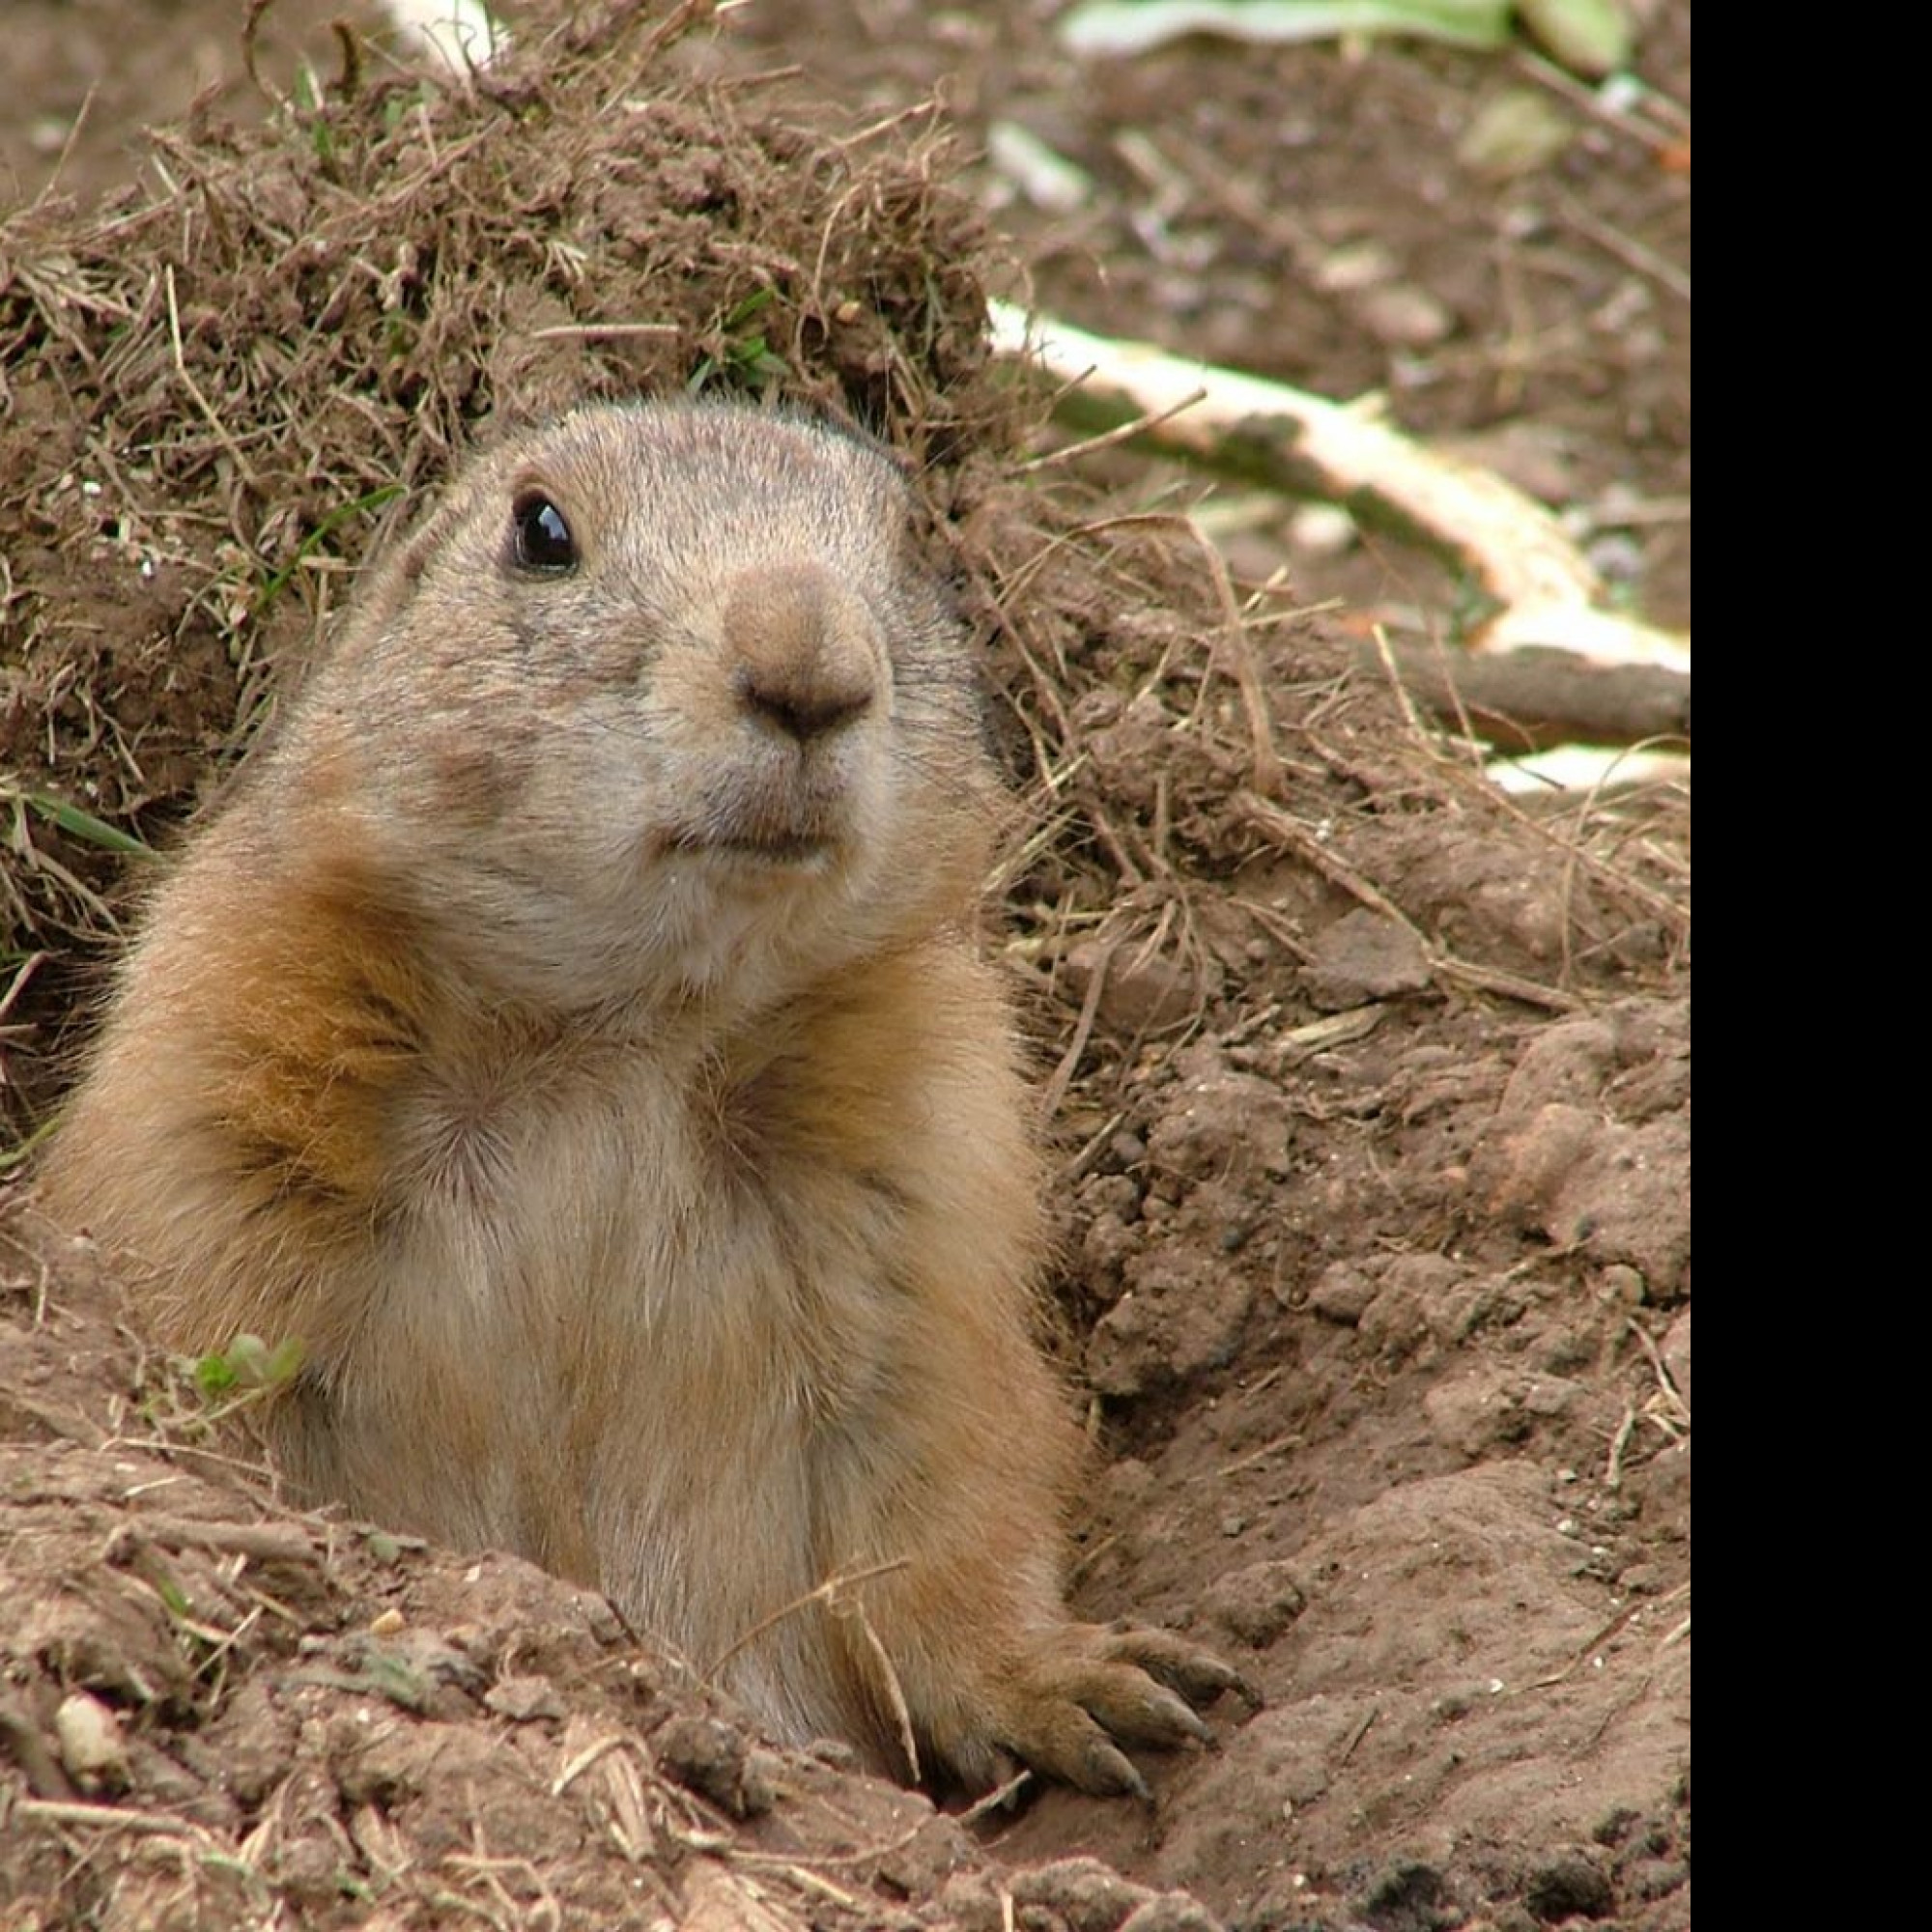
(658, 702)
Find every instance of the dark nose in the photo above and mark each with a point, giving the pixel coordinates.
(800, 650)
(802, 706)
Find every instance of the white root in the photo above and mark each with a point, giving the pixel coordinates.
(1517, 550)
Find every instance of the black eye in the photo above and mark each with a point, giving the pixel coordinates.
(541, 538)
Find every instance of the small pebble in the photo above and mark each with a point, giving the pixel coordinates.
(91, 1745)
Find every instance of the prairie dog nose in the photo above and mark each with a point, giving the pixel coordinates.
(800, 650)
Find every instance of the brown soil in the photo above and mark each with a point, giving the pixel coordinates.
(1371, 1089)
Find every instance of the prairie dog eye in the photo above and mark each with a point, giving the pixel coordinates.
(539, 534)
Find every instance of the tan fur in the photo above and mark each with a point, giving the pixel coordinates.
(572, 1034)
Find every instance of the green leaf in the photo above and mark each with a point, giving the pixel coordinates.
(215, 1376)
(337, 517)
(22, 1151)
(247, 1363)
(84, 825)
(758, 299)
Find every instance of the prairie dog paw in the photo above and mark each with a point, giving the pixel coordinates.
(1084, 1691)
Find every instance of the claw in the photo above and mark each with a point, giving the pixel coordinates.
(1181, 1715)
(1199, 1675)
(1114, 1775)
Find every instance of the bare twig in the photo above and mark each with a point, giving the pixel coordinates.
(1240, 652)
(67, 145)
(1613, 1467)
(267, 1541)
(1595, 1642)
(827, 1593)
(1669, 130)
(1055, 1090)
(1282, 827)
(1090, 446)
(1529, 697)
(601, 332)
(1626, 248)
(244, 468)
(1293, 1441)
(894, 1690)
(1356, 1736)
(109, 1818)
(1667, 1390)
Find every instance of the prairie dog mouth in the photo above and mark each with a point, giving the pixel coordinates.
(793, 822)
(787, 849)
(808, 849)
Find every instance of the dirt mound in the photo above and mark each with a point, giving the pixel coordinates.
(1371, 1089)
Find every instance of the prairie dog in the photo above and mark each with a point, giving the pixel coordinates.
(572, 1033)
